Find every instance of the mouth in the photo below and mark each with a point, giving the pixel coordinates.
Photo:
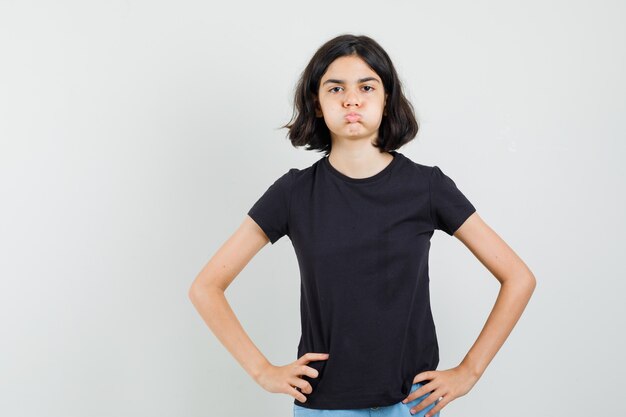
(353, 117)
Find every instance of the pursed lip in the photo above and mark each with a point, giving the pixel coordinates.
(352, 117)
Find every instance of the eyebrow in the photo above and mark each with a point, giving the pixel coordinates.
(360, 80)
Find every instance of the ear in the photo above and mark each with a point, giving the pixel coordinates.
(385, 105)
(318, 108)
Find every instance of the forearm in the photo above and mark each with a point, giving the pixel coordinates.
(218, 315)
(512, 299)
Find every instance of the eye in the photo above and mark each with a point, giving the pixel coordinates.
(369, 86)
(331, 90)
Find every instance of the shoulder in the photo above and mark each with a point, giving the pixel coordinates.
(292, 174)
(296, 176)
(418, 168)
(282, 186)
(433, 175)
(428, 170)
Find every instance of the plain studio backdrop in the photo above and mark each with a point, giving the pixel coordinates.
(135, 135)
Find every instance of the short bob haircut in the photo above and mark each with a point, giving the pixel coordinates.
(397, 127)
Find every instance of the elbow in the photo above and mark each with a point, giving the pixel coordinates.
(524, 281)
(194, 292)
(190, 292)
(528, 278)
(528, 283)
(197, 291)
(532, 282)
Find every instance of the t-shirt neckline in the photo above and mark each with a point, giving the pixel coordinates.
(371, 178)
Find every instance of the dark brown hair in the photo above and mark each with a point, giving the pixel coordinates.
(397, 127)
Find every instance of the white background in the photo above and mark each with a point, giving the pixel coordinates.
(135, 135)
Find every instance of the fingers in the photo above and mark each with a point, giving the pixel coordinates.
(311, 356)
(426, 402)
(442, 403)
(301, 369)
(296, 394)
(420, 392)
(306, 370)
(301, 385)
(425, 379)
(424, 376)
(298, 382)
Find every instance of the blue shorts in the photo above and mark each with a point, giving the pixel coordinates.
(395, 410)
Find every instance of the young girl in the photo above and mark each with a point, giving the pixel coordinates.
(360, 220)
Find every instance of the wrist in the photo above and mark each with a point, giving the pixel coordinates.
(259, 371)
(471, 370)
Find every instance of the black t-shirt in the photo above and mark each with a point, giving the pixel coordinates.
(362, 248)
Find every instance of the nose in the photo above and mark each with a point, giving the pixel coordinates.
(351, 99)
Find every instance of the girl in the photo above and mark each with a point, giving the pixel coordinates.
(360, 220)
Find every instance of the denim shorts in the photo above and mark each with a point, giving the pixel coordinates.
(396, 410)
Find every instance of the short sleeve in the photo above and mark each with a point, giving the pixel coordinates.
(271, 210)
(448, 205)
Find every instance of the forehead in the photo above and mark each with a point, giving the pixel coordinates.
(349, 68)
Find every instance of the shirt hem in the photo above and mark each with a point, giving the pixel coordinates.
(351, 404)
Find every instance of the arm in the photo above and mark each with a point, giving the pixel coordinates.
(207, 294)
(517, 284)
